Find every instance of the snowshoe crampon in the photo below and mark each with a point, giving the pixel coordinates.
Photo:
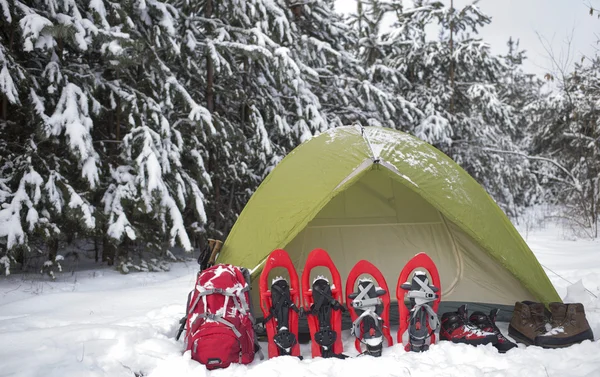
(369, 307)
(419, 323)
(323, 304)
(280, 306)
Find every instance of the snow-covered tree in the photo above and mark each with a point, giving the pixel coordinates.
(145, 123)
(567, 137)
(454, 80)
(273, 74)
(95, 142)
(48, 161)
(142, 124)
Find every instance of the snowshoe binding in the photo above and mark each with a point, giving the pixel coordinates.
(419, 324)
(323, 306)
(279, 305)
(282, 303)
(423, 320)
(369, 309)
(367, 327)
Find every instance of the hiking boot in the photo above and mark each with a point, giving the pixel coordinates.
(528, 321)
(569, 326)
(457, 329)
(488, 324)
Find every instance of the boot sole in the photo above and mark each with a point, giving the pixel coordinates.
(550, 342)
(519, 337)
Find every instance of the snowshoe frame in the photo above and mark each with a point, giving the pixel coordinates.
(333, 332)
(280, 258)
(421, 262)
(365, 267)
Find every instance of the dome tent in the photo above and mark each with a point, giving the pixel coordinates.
(383, 195)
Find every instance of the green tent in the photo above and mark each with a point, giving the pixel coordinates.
(384, 196)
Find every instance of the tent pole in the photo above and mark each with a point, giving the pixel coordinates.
(366, 137)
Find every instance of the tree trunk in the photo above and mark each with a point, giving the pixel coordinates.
(452, 56)
(108, 251)
(359, 13)
(217, 187)
(53, 249)
(118, 121)
(110, 121)
(210, 71)
(4, 108)
(4, 97)
(210, 105)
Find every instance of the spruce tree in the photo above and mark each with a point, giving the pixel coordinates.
(566, 140)
(456, 83)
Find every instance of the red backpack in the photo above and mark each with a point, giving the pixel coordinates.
(219, 321)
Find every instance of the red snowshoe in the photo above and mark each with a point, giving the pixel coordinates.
(280, 306)
(457, 329)
(323, 304)
(369, 308)
(419, 323)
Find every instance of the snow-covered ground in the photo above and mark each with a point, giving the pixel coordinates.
(101, 323)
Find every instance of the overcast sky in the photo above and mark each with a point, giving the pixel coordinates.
(554, 20)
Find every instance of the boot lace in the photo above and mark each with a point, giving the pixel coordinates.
(539, 321)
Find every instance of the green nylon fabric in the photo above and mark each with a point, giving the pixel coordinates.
(312, 174)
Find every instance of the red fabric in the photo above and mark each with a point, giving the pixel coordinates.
(213, 343)
(463, 332)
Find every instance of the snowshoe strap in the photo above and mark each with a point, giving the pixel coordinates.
(278, 310)
(322, 311)
(356, 324)
(323, 296)
(281, 304)
(417, 330)
(433, 319)
(423, 315)
(424, 295)
(362, 299)
(370, 334)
